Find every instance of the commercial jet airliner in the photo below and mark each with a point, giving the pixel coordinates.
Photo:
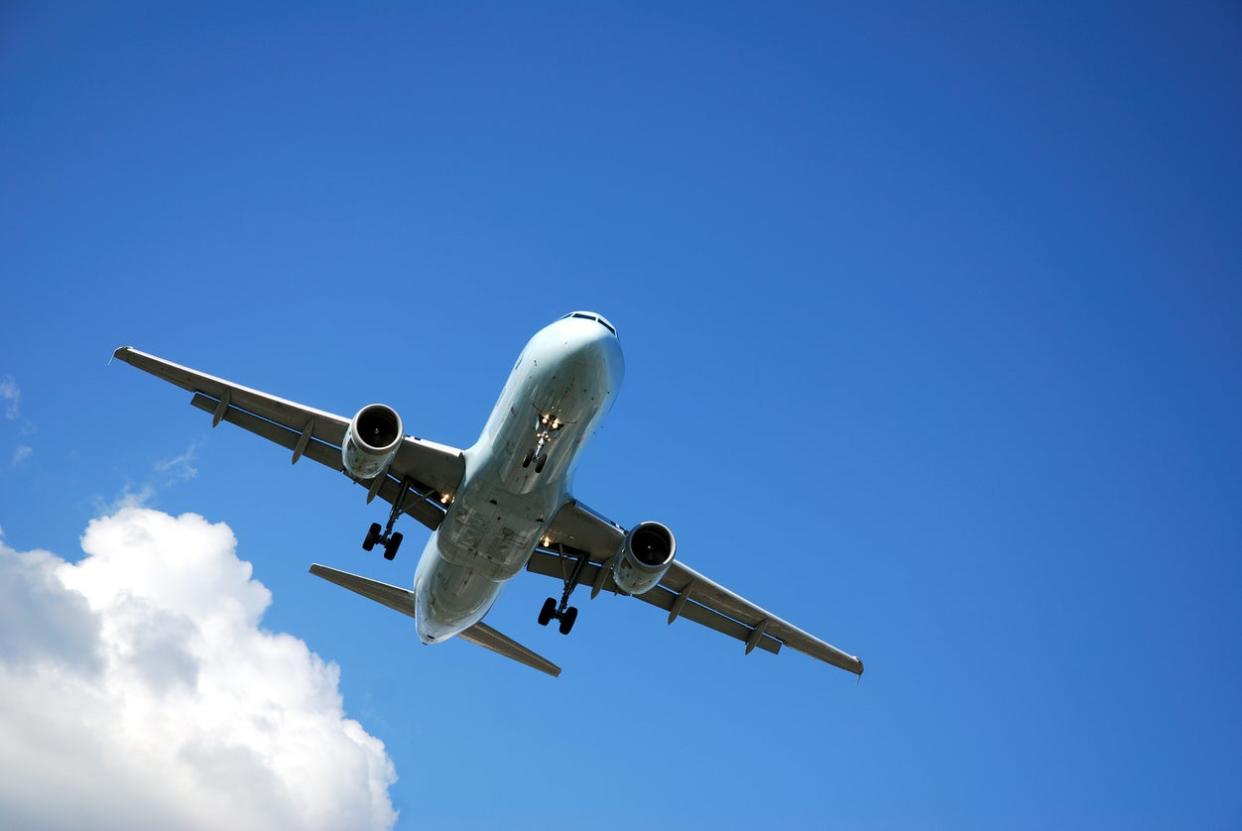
(502, 505)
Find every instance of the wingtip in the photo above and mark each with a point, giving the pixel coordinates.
(116, 353)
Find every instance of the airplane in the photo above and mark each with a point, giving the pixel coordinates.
(503, 504)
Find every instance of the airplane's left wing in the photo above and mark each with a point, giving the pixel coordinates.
(581, 544)
(433, 471)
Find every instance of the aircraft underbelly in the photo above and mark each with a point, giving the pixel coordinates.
(505, 502)
(449, 598)
(484, 541)
(489, 538)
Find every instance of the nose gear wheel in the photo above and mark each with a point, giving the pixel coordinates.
(546, 428)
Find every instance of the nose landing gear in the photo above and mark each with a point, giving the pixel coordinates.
(546, 428)
(536, 456)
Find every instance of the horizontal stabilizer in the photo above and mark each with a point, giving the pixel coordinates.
(398, 599)
(488, 638)
(402, 600)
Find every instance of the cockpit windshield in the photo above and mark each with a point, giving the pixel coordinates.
(600, 319)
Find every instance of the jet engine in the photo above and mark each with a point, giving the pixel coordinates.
(644, 557)
(372, 441)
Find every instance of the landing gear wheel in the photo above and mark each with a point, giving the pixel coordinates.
(530, 454)
(547, 612)
(567, 619)
(390, 547)
(540, 463)
(373, 535)
(385, 536)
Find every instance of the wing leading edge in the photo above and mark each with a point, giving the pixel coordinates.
(434, 470)
(578, 531)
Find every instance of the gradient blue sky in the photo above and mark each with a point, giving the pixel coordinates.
(931, 320)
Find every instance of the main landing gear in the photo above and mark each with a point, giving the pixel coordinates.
(387, 537)
(390, 541)
(562, 611)
(546, 428)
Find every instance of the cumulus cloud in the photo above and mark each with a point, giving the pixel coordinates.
(137, 690)
(11, 394)
(22, 453)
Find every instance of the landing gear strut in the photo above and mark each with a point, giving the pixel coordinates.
(387, 537)
(562, 611)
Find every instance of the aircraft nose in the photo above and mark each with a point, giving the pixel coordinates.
(596, 346)
(589, 343)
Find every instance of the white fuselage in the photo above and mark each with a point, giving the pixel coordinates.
(563, 383)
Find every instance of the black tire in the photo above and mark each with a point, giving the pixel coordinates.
(530, 454)
(567, 619)
(539, 464)
(547, 612)
(372, 535)
(390, 550)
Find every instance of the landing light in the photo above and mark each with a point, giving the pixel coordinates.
(446, 499)
(547, 541)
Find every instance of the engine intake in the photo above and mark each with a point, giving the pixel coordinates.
(644, 557)
(372, 441)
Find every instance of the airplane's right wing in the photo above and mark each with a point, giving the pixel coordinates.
(434, 470)
(577, 531)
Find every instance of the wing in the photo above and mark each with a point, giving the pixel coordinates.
(433, 471)
(581, 544)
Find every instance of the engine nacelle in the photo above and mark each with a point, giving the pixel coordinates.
(644, 557)
(372, 441)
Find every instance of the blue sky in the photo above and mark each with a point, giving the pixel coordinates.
(931, 322)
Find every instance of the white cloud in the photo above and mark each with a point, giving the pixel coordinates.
(128, 498)
(168, 471)
(137, 690)
(11, 393)
(179, 468)
(22, 453)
